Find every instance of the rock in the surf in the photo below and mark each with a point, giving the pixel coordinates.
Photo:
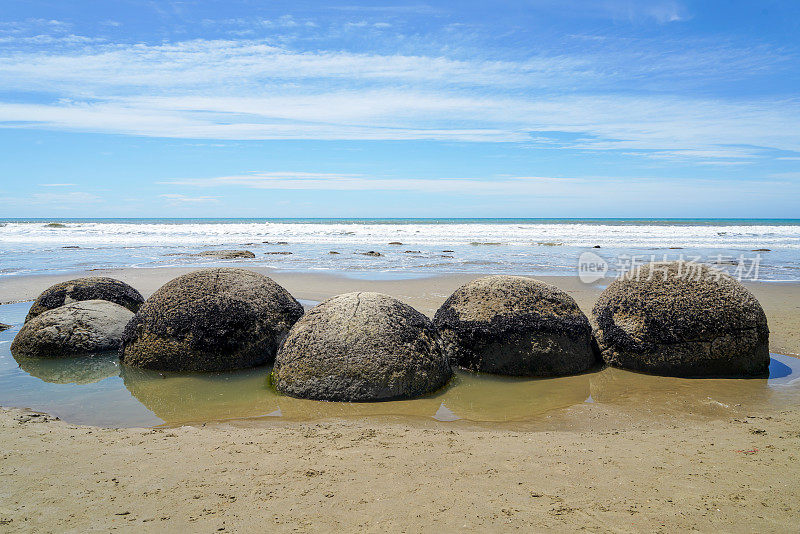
(517, 326)
(682, 319)
(210, 320)
(227, 254)
(361, 347)
(87, 326)
(89, 288)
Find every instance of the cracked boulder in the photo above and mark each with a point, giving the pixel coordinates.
(210, 320)
(682, 319)
(516, 326)
(361, 347)
(84, 327)
(89, 288)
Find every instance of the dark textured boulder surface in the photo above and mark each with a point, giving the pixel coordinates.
(516, 326)
(80, 327)
(210, 320)
(89, 288)
(682, 319)
(361, 347)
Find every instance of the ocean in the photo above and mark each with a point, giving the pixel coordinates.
(766, 249)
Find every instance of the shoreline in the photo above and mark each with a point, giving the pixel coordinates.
(621, 463)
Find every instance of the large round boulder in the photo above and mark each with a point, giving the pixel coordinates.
(361, 347)
(516, 326)
(89, 288)
(81, 327)
(210, 320)
(682, 319)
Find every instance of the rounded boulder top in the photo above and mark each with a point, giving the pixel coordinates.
(87, 326)
(517, 326)
(210, 320)
(361, 347)
(89, 288)
(682, 319)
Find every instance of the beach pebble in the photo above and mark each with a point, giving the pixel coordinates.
(89, 288)
(210, 320)
(513, 325)
(682, 319)
(80, 327)
(361, 347)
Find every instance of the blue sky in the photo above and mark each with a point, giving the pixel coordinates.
(537, 108)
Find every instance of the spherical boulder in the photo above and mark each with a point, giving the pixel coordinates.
(361, 347)
(81, 327)
(210, 320)
(89, 288)
(516, 326)
(682, 319)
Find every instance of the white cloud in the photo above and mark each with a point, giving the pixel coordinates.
(58, 185)
(339, 182)
(517, 187)
(251, 90)
(69, 199)
(177, 198)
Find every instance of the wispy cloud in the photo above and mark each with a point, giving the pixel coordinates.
(177, 198)
(58, 185)
(71, 199)
(253, 90)
(339, 182)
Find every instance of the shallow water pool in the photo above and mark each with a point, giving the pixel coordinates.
(100, 391)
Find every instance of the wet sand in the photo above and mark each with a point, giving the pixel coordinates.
(623, 466)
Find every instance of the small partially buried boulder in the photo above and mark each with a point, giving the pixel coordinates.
(226, 254)
(80, 327)
(517, 326)
(210, 320)
(361, 347)
(682, 319)
(89, 288)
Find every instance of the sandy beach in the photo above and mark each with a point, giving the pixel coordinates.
(604, 466)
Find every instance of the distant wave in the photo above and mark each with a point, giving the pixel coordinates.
(576, 234)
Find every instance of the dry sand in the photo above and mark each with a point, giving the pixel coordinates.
(596, 467)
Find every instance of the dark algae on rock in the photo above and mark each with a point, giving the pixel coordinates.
(89, 288)
(682, 319)
(361, 347)
(210, 320)
(517, 326)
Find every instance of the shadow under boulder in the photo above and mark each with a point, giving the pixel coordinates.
(361, 347)
(78, 370)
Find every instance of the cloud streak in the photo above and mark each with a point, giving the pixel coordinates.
(256, 90)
